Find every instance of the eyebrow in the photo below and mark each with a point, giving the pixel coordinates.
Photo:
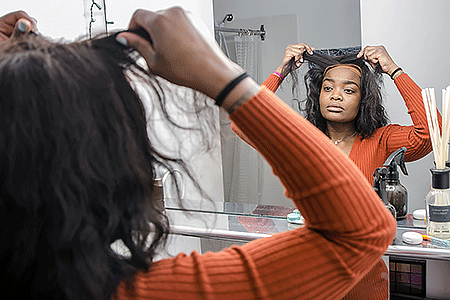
(345, 81)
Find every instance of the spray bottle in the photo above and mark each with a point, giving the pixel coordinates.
(397, 194)
(379, 185)
(387, 184)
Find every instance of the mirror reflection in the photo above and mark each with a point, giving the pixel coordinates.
(247, 177)
(329, 26)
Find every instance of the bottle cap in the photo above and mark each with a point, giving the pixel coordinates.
(412, 238)
(295, 217)
(440, 178)
(393, 174)
(419, 214)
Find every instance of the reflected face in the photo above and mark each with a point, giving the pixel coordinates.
(340, 95)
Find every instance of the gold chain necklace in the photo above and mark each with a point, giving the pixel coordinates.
(344, 138)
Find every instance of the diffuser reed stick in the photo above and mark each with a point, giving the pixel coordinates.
(439, 138)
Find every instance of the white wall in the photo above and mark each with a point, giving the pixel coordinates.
(416, 35)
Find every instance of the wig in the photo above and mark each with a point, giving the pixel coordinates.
(76, 168)
(371, 115)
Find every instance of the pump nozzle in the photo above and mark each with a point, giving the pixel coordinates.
(379, 182)
(397, 158)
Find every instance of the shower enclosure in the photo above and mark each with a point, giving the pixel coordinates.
(243, 169)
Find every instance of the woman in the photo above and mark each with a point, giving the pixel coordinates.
(344, 101)
(77, 169)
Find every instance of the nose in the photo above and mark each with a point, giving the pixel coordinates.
(336, 96)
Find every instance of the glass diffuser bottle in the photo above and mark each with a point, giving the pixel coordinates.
(437, 203)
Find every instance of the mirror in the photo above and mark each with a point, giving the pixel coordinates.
(331, 25)
(247, 177)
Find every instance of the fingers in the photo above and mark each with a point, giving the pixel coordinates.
(308, 48)
(150, 22)
(16, 23)
(12, 18)
(161, 23)
(377, 55)
(143, 46)
(142, 19)
(368, 52)
(179, 52)
(296, 52)
(360, 53)
(22, 26)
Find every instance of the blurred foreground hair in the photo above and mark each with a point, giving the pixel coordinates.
(76, 168)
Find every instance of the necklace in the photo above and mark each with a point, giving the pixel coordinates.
(344, 138)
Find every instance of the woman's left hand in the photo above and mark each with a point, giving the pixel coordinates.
(378, 54)
(17, 22)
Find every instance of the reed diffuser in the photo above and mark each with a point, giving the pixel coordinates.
(437, 200)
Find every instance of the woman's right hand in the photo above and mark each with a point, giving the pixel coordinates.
(180, 54)
(295, 51)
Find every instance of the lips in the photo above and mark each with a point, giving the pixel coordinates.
(335, 108)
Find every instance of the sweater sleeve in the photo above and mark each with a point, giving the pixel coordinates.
(415, 138)
(346, 229)
(272, 82)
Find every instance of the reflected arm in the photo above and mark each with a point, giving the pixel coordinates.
(416, 138)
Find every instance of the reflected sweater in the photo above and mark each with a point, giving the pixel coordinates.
(322, 260)
(370, 153)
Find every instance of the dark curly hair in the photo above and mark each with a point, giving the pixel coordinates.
(371, 115)
(76, 168)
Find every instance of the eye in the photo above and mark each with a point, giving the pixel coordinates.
(349, 91)
(327, 88)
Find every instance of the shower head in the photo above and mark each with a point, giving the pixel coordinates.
(228, 18)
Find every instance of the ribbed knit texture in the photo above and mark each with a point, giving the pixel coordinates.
(371, 153)
(346, 231)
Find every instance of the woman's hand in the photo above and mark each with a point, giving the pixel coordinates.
(295, 51)
(378, 54)
(179, 53)
(15, 23)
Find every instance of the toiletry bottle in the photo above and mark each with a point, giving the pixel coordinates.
(379, 185)
(397, 195)
(437, 202)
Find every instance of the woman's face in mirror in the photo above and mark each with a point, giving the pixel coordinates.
(340, 95)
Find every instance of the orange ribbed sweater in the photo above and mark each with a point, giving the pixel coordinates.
(322, 260)
(371, 153)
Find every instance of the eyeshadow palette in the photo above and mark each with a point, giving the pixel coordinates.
(407, 277)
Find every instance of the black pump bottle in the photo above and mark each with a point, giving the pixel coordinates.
(396, 192)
